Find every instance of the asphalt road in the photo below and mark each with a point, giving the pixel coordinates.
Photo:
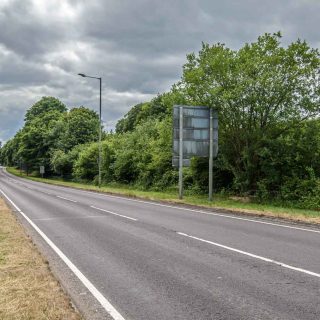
(142, 260)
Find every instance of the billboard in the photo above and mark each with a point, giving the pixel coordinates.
(195, 132)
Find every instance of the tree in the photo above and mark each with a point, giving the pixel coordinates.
(86, 165)
(143, 156)
(157, 109)
(38, 138)
(43, 106)
(63, 162)
(261, 91)
(79, 126)
(7, 153)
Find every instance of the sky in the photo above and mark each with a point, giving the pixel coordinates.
(138, 47)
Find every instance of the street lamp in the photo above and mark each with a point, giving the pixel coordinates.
(100, 126)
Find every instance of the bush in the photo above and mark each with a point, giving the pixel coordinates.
(304, 193)
(86, 165)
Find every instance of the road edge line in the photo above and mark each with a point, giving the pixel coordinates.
(111, 310)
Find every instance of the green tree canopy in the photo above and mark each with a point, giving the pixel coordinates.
(79, 126)
(43, 106)
(261, 90)
(157, 109)
(38, 138)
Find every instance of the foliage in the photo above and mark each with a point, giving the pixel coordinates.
(144, 155)
(255, 89)
(38, 138)
(50, 137)
(79, 126)
(62, 162)
(8, 155)
(86, 165)
(44, 106)
(157, 109)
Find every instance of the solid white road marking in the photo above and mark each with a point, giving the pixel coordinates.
(66, 199)
(281, 264)
(116, 214)
(86, 282)
(186, 209)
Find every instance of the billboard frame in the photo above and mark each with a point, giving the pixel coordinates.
(213, 140)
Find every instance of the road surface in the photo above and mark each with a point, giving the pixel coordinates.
(137, 260)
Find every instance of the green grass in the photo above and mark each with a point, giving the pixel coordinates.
(171, 196)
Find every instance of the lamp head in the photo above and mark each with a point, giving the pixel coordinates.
(82, 74)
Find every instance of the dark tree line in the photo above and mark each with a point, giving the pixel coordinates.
(49, 127)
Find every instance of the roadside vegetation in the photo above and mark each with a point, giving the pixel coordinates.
(268, 97)
(28, 290)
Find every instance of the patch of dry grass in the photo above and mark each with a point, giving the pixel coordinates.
(28, 290)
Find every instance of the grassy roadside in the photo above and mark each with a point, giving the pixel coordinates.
(220, 202)
(28, 290)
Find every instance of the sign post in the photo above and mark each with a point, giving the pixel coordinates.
(42, 171)
(213, 148)
(181, 152)
(211, 156)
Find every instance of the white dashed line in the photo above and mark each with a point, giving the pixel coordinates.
(66, 218)
(66, 199)
(281, 264)
(116, 214)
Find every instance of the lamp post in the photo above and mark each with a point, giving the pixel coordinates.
(100, 127)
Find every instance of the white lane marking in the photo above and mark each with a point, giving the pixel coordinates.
(281, 264)
(116, 214)
(66, 199)
(67, 218)
(86, 282)
(185, 209)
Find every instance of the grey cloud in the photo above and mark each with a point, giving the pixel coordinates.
(24, 33)
(138, 47)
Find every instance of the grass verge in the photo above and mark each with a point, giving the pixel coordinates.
(28, 289)
(220, 202)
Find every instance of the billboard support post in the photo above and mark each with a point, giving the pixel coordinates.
(181, 152)
(211, 155)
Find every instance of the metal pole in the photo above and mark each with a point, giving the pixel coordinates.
(211, 155)
(181, 153)
(100, 133)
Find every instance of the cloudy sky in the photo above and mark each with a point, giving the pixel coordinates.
(136, 46)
